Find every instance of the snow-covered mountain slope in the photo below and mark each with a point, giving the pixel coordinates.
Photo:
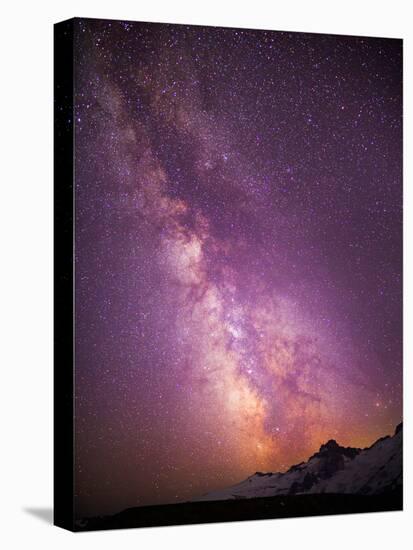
(334, 469)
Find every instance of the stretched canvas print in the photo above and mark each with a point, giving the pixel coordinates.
(228, 249)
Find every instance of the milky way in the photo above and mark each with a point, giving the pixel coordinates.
(238, 254)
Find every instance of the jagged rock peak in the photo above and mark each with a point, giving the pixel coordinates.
(332, 448)
(330, 445)
(399, 428)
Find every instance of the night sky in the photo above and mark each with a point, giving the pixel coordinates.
(238, 254)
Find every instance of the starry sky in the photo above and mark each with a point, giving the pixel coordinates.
(238, 251)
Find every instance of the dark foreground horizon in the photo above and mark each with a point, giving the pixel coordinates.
(279, 507)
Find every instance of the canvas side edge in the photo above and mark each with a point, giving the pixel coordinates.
(63, 275)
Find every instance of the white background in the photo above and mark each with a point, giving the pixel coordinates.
(26, 271)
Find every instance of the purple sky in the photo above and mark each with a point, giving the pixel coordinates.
(238, 254)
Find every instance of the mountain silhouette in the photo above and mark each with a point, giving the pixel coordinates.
(333, 469)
